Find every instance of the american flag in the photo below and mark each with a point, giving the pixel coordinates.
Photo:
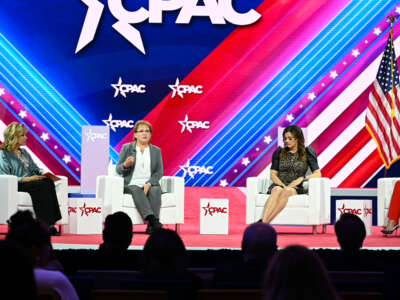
(383, 119)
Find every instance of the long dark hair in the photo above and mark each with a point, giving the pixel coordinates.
(164, 256)
(297, 273)
(298, 134)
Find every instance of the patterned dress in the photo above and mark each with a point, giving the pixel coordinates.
(291, 167)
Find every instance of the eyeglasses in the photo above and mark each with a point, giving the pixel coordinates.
(143, 131)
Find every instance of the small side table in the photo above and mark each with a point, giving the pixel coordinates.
(214, 216)
(84, 214)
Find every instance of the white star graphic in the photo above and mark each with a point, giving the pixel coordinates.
(245, 161)
(333, 74)
(366, 41)
(117, 86)
(184, 124)
(267, 139)
(398, 9)
(323, 84)
(55, 147)
(2, 92)
(355, 52)
(108, 123)
(377, 31)
(174, 88)
(223, 182)
(22, 114)
(77, 169)
(257, 149)
(311, 96)
(185, 168)
(67, 159)
(301, 105)
(235, 171)
(345, 63)
(44, 136)
(289, 117)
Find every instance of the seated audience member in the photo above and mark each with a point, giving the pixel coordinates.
(15, 160)
(117, 237)
(34, 239)
(16, 276)
(297, 273)
(26, 217)
(258, 246)
(117, 233)
(165, 258)
(350, 232)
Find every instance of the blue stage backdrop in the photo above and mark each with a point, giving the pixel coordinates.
(217, 79)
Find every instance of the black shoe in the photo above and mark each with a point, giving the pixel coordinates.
(53, 231)
(149, 229)
(157, 224)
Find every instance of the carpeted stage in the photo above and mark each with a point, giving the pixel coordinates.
(190, 231)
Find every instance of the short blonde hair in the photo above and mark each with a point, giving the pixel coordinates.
(12, 134)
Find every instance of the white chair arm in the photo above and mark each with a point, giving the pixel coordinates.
(8, 203)
(319, 192)
(62, 197)
(254, 185)
(177, 188)
(111, 190)
(384, 196)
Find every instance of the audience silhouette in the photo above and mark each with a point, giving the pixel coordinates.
(117, 233)
(258, 246)
(296, 273)
(117, 237)
(350, 232)
(164, 257)
(16, 276)
(34, 239)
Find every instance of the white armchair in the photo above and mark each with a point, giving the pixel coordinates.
(312, 209)
(111, 189)
(384, 196)
(12, 200)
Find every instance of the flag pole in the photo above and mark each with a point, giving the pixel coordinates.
(392, 19)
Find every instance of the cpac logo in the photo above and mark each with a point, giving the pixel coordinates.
(113, 124)
(85, 210)
(123, 89)
(219, 12)
(92, 136)
(355, 211)
(189, 125)
(214, 210)
(194, 170)
(181, 89)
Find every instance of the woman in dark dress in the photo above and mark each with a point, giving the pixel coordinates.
(16, 161)
(288, 171)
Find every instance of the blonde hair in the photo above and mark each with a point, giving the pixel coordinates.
(12, 134)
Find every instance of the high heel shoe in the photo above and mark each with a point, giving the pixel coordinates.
(386, 231)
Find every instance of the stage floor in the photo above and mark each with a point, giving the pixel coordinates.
(190, 231)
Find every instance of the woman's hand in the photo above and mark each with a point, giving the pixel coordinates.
(146, 188)
(33, 178)
(296, 182)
